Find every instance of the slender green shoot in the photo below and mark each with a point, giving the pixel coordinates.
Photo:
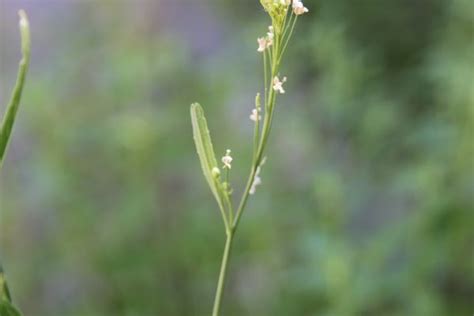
(283, 14)
(6, 306)
(12, 108)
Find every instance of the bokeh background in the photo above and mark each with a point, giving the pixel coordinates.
(366, 206)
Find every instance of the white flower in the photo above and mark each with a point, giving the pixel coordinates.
(256, 179)
(278, 85)
(227, 160)
(255, 116)
(270, 34)
(299, 8)
(265, 42)
(262, 44)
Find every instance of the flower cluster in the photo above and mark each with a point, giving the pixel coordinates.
(277, 9)
(275, 42)
(266, 42)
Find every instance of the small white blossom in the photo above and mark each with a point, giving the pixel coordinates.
(262, 44)
(278, 85)
(265, 42)
(255, 116)
(270, 33)
(299, 8)
(256, 179)
(227, 160)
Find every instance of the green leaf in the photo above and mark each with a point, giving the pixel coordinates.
(7, 309)
(202, 139)
(12, 108)
(4, 292)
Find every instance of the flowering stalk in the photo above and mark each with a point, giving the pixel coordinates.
(283, 14)
(6, 307)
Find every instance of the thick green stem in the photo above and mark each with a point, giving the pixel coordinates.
(222, 274)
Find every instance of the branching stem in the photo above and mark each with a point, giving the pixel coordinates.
(275, 53)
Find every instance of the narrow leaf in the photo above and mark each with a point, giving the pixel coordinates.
(12, 108)
(202, 139)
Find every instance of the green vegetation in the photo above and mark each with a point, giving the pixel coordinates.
(366, 203)
(283, 15)
(6, 307)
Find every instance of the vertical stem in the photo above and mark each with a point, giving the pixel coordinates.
(222, 274)
(287, 38)
(227, 199)
(275, 54)
(6, 125)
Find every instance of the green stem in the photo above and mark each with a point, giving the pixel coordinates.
(222, 274)
(288, 38)
(226, 194)
(267, 122)
(12, 108)
(275, 55)
(222, 197)
(256, 135)
(6, 127)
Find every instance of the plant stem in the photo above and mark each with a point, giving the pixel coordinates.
(6, 125)
(259, 147)
(222, 274)
(288, 38)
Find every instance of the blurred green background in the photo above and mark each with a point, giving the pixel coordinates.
(366, 206)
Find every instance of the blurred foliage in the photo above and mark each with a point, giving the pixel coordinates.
(366, 207)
